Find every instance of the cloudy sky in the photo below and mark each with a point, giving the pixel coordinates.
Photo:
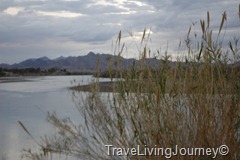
(53, 28)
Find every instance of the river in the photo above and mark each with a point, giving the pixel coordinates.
(29, 102)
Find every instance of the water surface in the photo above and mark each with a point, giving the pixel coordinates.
(29, 102)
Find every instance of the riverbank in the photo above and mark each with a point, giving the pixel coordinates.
(102, 86)
(14, 79)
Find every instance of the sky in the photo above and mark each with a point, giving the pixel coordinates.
(54, 28)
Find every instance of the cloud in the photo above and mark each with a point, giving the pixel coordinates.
(13, 10)
(64, 14)
(41, 27)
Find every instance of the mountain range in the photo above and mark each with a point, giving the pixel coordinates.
(87, 63)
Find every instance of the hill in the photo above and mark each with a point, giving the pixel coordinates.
(87, 63)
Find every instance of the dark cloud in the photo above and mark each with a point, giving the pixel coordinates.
(34, 28)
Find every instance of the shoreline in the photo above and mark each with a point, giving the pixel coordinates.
(30, 78)
(107, 86)
(14, 79)
(103, 87)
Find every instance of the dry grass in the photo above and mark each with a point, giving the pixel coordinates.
(194, 104)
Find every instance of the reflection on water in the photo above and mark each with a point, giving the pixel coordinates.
(28, 102)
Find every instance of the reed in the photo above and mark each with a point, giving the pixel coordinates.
(195, 103)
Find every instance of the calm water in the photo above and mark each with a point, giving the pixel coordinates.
(29, 102)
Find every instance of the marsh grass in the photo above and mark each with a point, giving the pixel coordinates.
(195, 103)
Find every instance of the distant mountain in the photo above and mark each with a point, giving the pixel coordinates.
(59, 58)
(32, 63)
(4, 65)
(88, 63)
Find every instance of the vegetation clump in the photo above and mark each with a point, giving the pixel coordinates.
(196, 103)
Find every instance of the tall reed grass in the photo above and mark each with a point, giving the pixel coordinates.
(195, 103)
